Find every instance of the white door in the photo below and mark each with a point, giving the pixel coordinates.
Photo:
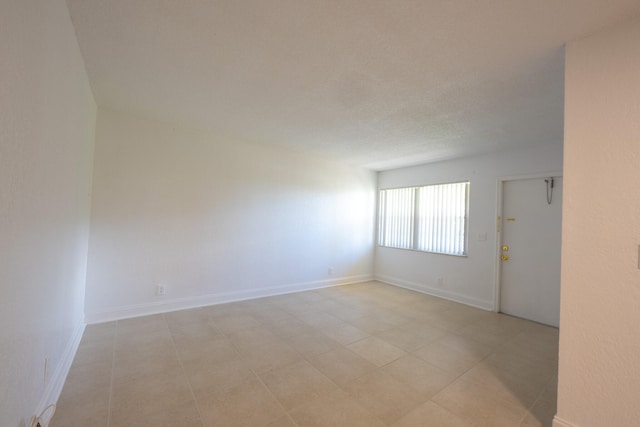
(530, 249)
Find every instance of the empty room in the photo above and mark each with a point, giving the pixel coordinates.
(289, 213)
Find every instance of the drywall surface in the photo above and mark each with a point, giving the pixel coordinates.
(214, 220)
(599, 377)
(47, 118)
(469, 279)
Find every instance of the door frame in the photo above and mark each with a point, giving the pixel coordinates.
(498, 243)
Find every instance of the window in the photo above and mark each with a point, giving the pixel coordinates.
(432, 218)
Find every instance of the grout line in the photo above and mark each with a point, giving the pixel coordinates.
(184, 372)
(273, 395)
(113, 371)
(536, 400)
(494, 349)
(257, 376)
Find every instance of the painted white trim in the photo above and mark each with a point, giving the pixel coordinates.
(559, 422)
(54, 387)
(499, 188)
(165, 306)
(441, 293)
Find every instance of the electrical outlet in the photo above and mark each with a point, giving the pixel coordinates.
(330, 271)
(161, 290)
(440, 282)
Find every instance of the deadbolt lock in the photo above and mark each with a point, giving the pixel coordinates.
(505, 248)
(505, 257)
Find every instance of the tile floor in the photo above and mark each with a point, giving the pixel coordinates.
(367, 354)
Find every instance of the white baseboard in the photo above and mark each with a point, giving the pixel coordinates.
(164, 306)
(559, 422)
(54, 387)
(441, 293)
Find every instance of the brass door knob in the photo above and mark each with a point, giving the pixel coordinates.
(505, 257)
(505, 248)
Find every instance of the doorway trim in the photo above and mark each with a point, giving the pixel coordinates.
(498, 218)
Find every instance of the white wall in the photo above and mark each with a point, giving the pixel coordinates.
(599, 377)
(216, 220)
(470, 279)
(47, 117)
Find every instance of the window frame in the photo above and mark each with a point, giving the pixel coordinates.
(415, 218)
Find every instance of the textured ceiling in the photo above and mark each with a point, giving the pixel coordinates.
(375, 83)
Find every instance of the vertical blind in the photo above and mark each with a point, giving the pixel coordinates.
(432, 218)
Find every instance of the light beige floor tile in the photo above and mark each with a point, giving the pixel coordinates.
(284, 421)
(467, 345)
(329, 305)
(247, 405)
(411, 336)
(424, 378)
(99, 333)
(341, 365)
(350, 311)
(297, 384)
(218, 378)
(371, 324)
(299, 309)
(235, 322)
(426, 304)
(96, 351)
(343, 332)
(185, 415)
(490, 338)
(384, 396)
(89, 408)
(376, 351)
(253, 306)
(534, 372)
(309, 297)
(194, 356)
(334, 410)
(289, 327)
(318, 319)
(249, 338)
(270, 356)
(153, 366)
(194, 332)
(142, 324)
(540, 336)
(218, 311)
(541, 415)
(313, 343)
(271, 314)
(85, 377)
(181, 318)
(142, 327)
(129, 338)
(527, 348)
(455, 359)
(431, 414)
(476, 403)
(142, 349)
(133, 400)
(393, 314)
(550, 391)
(445, 319)
(513, 389)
